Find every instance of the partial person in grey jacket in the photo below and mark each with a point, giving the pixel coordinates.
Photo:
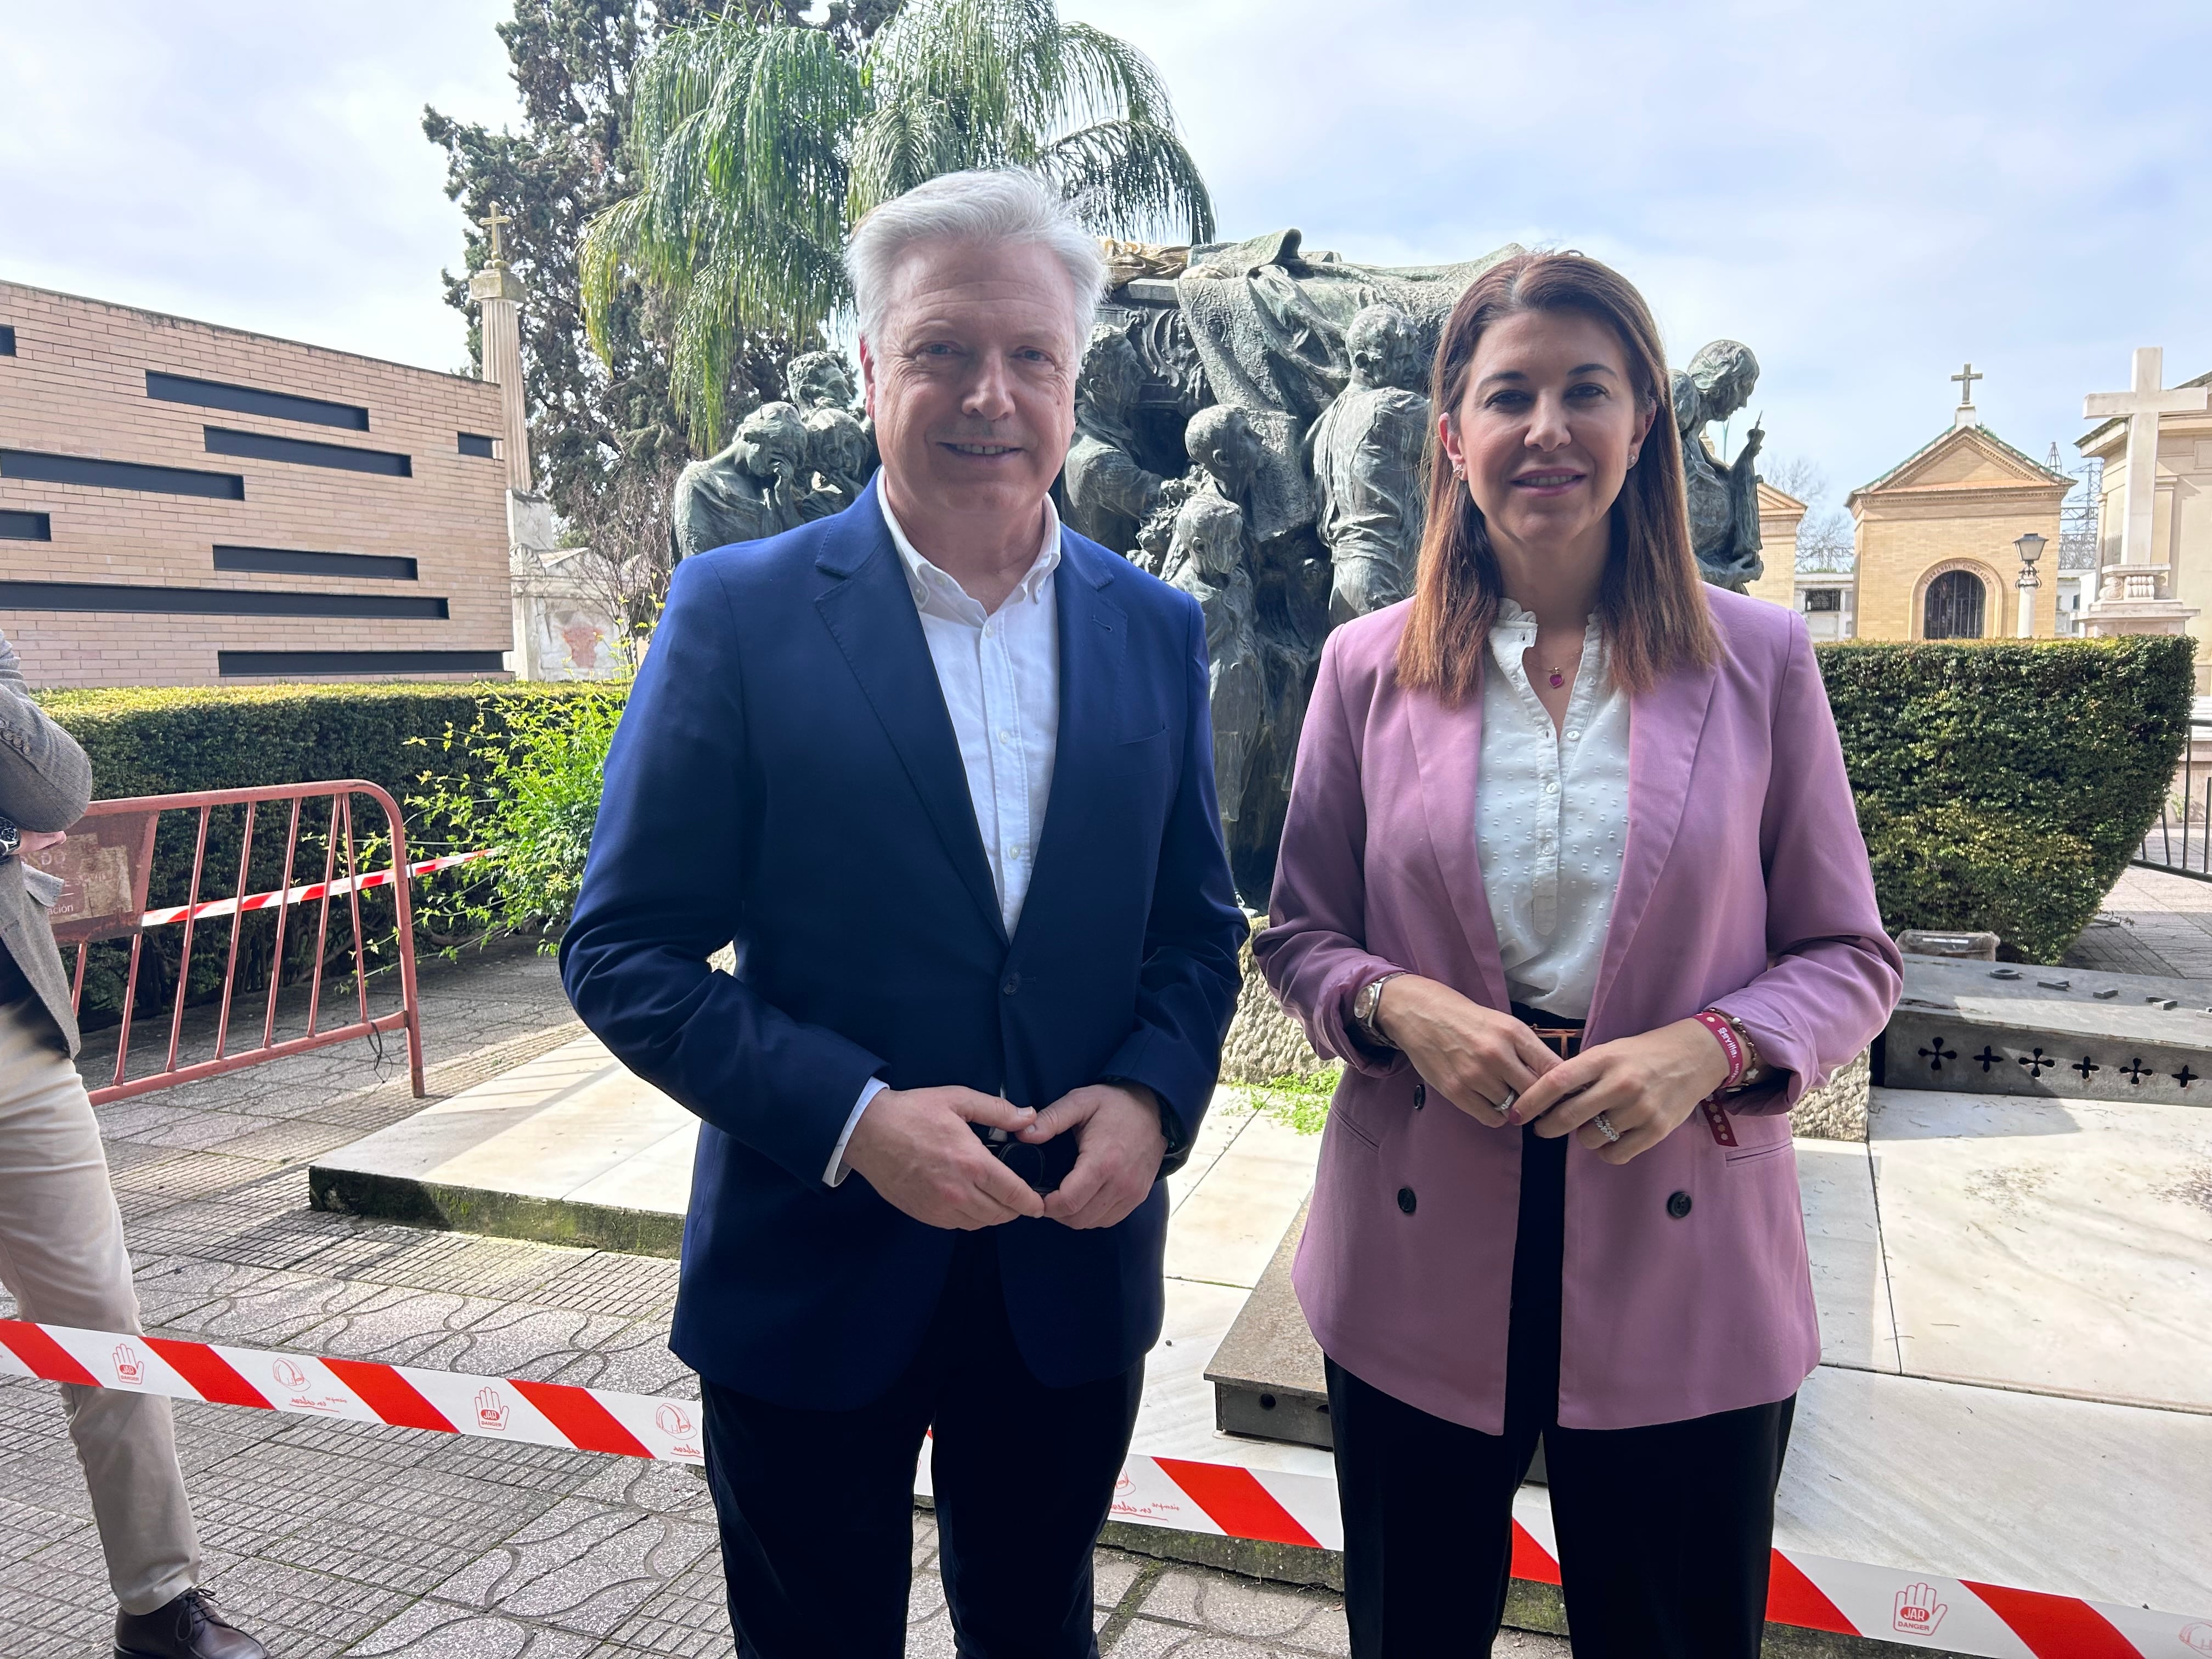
(61, 1236)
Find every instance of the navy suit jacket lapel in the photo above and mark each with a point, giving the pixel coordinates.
(870, 612)
(1093, 639)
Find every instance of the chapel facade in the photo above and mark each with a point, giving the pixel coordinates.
(1932, 539)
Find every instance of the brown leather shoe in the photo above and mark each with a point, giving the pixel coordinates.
(186, 1628)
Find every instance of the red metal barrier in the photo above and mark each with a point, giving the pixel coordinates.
(106, 863)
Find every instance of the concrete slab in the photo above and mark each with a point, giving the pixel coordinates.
(1843, 1236)
(2060, 1246)
(1976, 1028)
(569, 1148)
(2070, 1497)
(1230, 1221)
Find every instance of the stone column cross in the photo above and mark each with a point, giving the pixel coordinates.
(1964, 378)
(492, 223)
(2140, 406)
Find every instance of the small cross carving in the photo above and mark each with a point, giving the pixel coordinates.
(496, 219)
(2184, 1077)
(2039, 1063)
(1937, 1056)
(1989, 1057)
(2087, 1067)
(2135, 1071)
(1965, 378)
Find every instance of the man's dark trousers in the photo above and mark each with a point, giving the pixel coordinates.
(817, 1507)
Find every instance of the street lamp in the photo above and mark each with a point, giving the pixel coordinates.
(2030, 547)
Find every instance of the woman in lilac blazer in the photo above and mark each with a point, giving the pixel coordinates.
(1572, 884)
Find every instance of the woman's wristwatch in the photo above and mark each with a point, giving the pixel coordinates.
(1368, 1003)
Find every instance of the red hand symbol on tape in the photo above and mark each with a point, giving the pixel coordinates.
(130, 1368)
(491, 1411)
(1918, 1612)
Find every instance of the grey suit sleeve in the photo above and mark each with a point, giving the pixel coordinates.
(45, 782)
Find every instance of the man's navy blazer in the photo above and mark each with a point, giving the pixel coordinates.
(785, 776)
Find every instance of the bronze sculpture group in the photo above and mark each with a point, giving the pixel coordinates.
(1253, 426)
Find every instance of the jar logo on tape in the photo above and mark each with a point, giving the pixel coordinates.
(130, 1368)
(1918, 1613)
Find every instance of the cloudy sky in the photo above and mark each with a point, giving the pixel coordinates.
(1868, 194)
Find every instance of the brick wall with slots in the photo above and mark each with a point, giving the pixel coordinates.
(76, 386)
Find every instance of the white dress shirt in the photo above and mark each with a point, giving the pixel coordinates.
(999, 673)
(1550, 818)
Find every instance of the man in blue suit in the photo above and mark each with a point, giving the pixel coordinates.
(943, 771)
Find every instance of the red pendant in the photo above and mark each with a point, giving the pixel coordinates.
(1557, 678)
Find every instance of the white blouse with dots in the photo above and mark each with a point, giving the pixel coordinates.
(1551, 816)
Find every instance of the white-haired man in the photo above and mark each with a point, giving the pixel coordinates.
(943, 771)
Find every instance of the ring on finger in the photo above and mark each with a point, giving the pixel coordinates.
(1506, 1104)
(1604, 1126)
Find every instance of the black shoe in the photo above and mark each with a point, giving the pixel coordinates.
(187, 1628)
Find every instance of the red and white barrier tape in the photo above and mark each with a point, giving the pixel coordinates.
(306, 895)
(1814, 1592)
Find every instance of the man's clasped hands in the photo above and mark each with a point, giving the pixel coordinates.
(914, 1146)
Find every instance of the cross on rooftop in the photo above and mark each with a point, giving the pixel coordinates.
(1965, 378)
(492, 224)
(2140, 406)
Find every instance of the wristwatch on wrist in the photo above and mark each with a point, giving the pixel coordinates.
(10, 838)
(1368, 1003)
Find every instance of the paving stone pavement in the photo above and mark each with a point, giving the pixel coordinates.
(2151, 923)
(344, 1538)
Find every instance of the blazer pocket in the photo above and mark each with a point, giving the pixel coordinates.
(1755, 1154)
(1159, 730)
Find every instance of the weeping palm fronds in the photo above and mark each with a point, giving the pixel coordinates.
(759, 146)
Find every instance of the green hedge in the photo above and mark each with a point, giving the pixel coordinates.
(159, 742)
(2004, 784)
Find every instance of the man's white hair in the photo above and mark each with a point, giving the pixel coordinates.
(1004, 206)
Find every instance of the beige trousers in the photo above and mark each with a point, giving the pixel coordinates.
(62, 1257)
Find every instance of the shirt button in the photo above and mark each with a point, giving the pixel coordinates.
(1574, 737)
(1006, 737)
(1405, 1200)
(1016, 852)
(1551, 788)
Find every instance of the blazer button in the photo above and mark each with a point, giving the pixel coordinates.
(1405, 1200)
(1013, 984)
(1678, 1205)
(1420, 1096)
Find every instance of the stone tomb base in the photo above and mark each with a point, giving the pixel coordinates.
(2016, 1383)
(2076, 1034)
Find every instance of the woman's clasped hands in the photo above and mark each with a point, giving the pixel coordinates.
(1496, 1071)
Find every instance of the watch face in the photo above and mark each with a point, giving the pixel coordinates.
(10, 838)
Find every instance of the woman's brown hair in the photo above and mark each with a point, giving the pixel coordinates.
(1651, 601)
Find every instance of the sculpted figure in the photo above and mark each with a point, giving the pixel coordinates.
(753, 488)
(1208, 558)
(1367, 452)
(1724, 496)
(837, 461)
(1109, 494)
(818, 379)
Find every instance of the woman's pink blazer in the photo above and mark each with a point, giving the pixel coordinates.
(1744, 885)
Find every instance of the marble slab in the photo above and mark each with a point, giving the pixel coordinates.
(569, 1148)
(2059, 1245)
